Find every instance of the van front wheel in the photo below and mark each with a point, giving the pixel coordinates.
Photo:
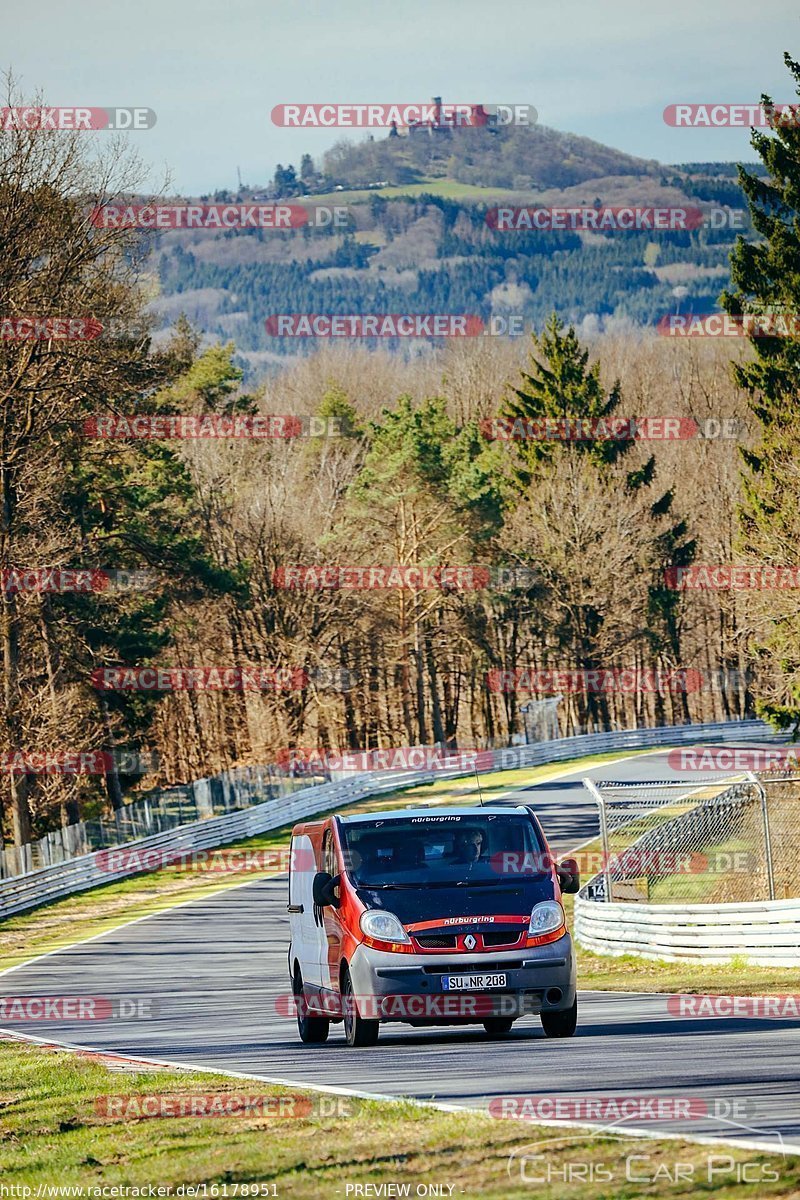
(357, 1031)
(312, 1029)
(495, 1026)
(561, 1024)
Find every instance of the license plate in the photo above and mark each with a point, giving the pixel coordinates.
(472, 983)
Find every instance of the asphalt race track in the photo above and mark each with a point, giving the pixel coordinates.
(215, 972)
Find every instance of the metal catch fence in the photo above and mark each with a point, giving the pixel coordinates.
(724, 840)
(158, 812)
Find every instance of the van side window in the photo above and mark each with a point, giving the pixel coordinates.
(329, 862)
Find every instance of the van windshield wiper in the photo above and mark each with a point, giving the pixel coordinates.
(486, 884)
(437, 883)
(380, 887)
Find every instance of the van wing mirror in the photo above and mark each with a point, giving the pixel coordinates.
(323, 890)
(569, 875)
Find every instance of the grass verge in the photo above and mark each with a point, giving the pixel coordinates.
(450, 189)
(53, 1132)
(630, 973)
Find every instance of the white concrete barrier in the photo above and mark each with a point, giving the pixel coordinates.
(765, 932)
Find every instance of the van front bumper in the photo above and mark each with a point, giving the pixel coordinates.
(410, 987)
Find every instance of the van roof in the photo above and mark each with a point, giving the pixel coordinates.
(437, 810)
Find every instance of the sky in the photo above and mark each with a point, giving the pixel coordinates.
(213, 69)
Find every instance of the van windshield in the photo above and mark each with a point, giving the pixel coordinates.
(442, 851)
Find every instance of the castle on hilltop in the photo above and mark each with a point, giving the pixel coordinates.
(444, 120)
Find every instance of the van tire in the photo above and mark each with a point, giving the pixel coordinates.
(498, 1025)
(561, 1024)
(357, 1031)
(312, 1030)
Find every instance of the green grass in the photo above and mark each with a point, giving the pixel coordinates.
(450, 189)
(695, 888)
(52, 1134)
(630, 973)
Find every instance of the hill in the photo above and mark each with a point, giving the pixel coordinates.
(517, 157)
(418, 240)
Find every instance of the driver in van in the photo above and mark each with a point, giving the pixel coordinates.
(468, 845)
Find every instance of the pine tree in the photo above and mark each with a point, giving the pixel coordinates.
(562, 385)
(765, 276)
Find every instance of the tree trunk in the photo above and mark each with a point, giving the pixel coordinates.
(18, 784)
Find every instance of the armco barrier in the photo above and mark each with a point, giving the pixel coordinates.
(766, 933)
(65, 878)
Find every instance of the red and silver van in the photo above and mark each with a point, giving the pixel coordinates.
(441, 917)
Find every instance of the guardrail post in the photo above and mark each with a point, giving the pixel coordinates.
(593, 790)
(762, 791)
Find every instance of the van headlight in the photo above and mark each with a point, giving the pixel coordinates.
(547, 918)
(383, 926)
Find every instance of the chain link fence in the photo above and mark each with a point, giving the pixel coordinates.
(783, 812)
(157, 812)
(728, 839)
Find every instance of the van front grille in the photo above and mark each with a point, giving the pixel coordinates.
(509, 938)
(439, 941)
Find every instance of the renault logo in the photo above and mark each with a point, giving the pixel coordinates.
(470, 942)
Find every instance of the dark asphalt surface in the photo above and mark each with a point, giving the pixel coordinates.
(215, 973)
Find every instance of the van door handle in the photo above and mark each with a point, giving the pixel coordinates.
(295, 908)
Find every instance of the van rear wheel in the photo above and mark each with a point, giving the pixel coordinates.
(312, 1029)
(561, 1024)
(357, 1031)
(497, 1025)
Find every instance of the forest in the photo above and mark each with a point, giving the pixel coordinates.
(212, 634)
